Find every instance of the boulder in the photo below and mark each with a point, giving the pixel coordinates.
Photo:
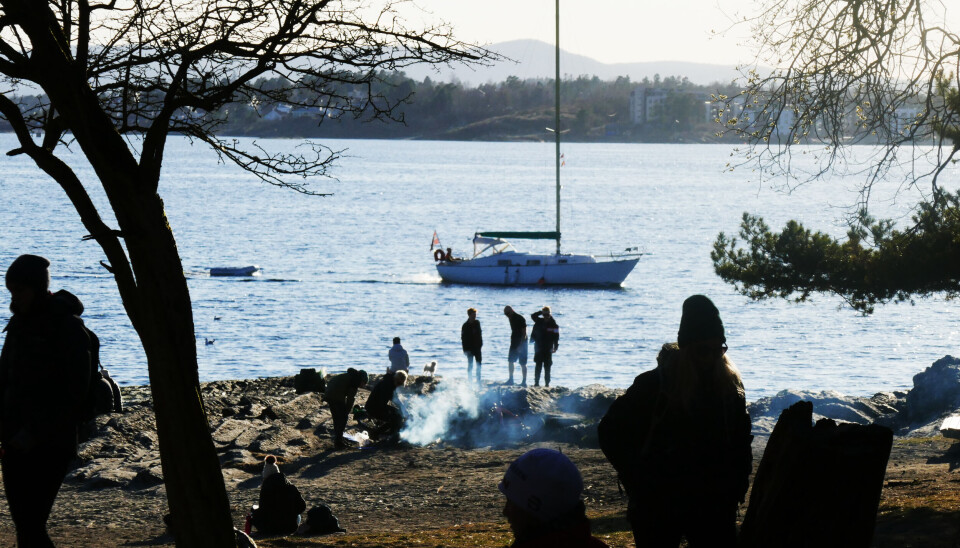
(936, 391)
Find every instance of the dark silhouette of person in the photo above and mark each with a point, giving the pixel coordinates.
(340, 394)
(280, 502)
(518, 343)
(379, 404)
(679, 438)
(543, 505)
(546, 339)
(44, 377)
(471, 340)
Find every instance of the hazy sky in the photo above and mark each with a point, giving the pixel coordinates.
(611, 31)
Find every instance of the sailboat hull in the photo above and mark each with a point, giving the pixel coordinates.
(503, 271)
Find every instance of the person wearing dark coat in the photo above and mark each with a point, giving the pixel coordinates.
(679, 439)
(44, 377)
(518, 343)
(280, 502)
(546, 339)
(379, 405)
(543, 507)
(340, 393)
(471, 339)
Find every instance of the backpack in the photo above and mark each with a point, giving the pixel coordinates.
(103, 393)
(309, 380)
(321, 521)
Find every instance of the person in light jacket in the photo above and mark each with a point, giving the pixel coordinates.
(399, 359)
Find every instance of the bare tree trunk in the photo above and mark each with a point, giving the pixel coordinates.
(191, 469)
(152, 286)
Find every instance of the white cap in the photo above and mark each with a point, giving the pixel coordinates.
(544, 483)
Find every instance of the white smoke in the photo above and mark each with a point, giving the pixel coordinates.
(430, 416)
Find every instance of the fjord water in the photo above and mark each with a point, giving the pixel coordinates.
(343, 274)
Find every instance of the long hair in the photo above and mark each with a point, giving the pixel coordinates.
(682, 376)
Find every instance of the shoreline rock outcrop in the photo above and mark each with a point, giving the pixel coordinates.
(252, 418)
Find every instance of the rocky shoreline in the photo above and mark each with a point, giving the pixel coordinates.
(447, 477)
(253, 418)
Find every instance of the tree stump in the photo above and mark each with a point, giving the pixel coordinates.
(817, 486)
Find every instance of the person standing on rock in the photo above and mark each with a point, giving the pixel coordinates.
(399, 359)
(45, 370)
(471, 339)
(546, 340)
(280, 502)
(543, 505)
(679, 438)
(518, 344)
(340, 394)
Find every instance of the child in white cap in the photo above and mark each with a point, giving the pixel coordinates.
(543, 504)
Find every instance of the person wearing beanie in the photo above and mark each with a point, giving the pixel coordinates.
(280, 502)
(543, 507)
(680, 438)
(46, 348)
(340, 394)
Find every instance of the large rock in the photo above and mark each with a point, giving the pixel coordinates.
(826, 404)
(936, 390)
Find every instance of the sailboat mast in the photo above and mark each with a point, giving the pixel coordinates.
(556, 118)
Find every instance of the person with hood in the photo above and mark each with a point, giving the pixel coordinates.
(679, 438)
(46, 350)
(543, 507)
(471, 340)
(340, 394)
(280, 502)
(379, 406)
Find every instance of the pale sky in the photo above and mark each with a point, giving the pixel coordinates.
(610, 31)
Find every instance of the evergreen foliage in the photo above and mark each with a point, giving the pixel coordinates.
(864, 71)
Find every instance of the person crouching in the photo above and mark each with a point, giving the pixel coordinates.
(379, 405)
(543, 504)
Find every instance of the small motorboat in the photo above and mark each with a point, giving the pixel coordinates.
(251, 270)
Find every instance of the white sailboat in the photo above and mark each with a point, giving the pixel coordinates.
(496, 262)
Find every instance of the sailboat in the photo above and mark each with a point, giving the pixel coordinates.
(495, 261)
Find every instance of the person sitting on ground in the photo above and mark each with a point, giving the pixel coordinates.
(543, 504)
(378, 405)
(280, 502)
(340, 393)
(399, 359)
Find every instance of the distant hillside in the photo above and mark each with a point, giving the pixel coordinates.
(535, 60)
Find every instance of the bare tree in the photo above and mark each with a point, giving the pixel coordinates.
(848, 72)
(118, 78)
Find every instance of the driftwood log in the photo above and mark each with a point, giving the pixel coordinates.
(817, 486)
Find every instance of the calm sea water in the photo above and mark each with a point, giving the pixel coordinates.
(344, 274)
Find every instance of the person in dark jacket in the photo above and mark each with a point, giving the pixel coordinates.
(340, 393)
(378, 404)
(280, 502)
(543, 505)
(680, 438)
(471, 339)
(546, 339)
(44, 377)
(518, 343)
